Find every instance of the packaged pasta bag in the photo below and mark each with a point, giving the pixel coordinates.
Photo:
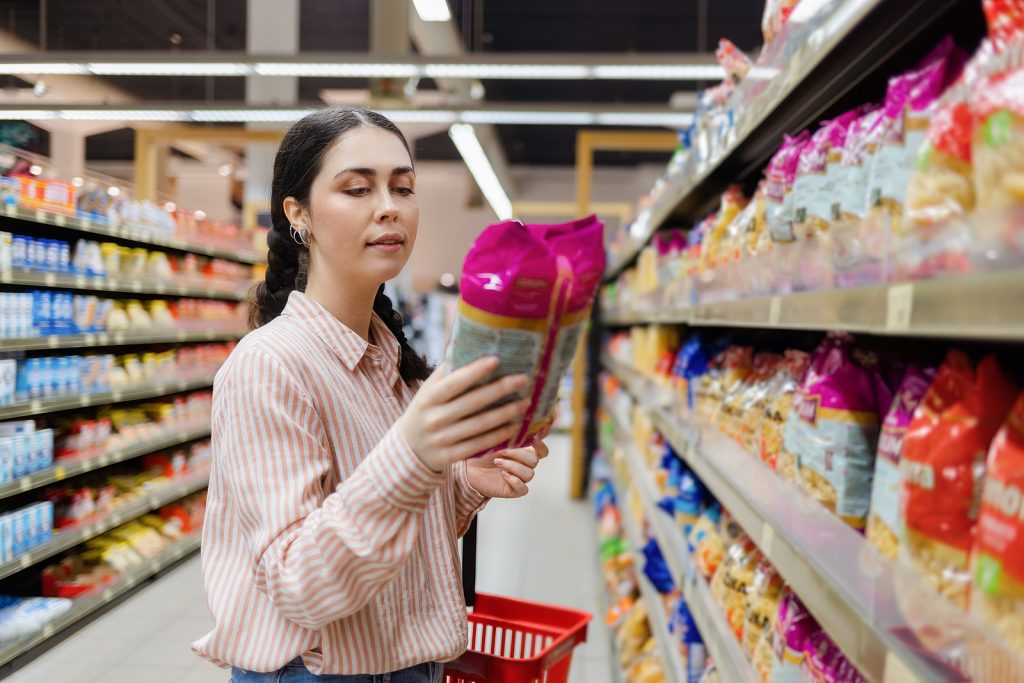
(1005, 19)
(713, 251)
(525, 297)
(778, 190)
(794, 628)
(942, 468)
(849, 176)
(705, 541)
(779, 404)
(902, 127)
(998, 149)
(733, 581)
(812, 191)
(762, 607)
(751, 416)
(884, 521)
(825, 662)
(941, 185)
(998, 563)
(776, 14)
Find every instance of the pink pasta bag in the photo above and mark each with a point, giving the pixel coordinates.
(779, 176)
(825, 662)
(525, 297)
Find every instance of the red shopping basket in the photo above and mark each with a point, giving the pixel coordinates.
(513, 641)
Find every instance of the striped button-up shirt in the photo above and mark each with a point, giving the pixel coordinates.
(326, 537)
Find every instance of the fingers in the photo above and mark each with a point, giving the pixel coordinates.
(484, 442)
(457, 382)
(476, 400)
(524, 456)
(479, 424)
(515, 485)
(523, 473)
(540, 448)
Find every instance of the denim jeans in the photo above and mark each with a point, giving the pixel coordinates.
(296, 672)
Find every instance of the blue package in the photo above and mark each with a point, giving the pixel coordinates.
(656, 569)
(6, 538)
(713, 512)
(42, 311)
(32, 525)
(37, 254)
(44, 512)
(6, 459)
(64, 258)
(21, 456)
(26, 379)
(64, 313)
(19, 252)
(51, 256)
(685, 630)
(690, 501)
(19, 533)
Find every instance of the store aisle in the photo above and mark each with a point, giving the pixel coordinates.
(540, 548)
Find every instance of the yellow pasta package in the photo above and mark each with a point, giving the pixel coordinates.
(998, 150)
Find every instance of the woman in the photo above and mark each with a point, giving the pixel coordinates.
(340, 483)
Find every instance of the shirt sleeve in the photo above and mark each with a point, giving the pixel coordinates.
(318, 555)
(468, 502)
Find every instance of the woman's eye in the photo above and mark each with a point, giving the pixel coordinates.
(358, 191)
(405, 191)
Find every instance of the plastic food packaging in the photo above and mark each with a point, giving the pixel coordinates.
(706, 541)
(779, 176)
(812, 191)
(884, 521)
(849, 179)
(998, 570)
(776, 14)
(833, 430)
(778, 407)
(998, 150)
(733, 581)
(941, 186)
(732, 59)
(943, 467)
(794, 628)
(825, 662)
(762, 607)
(525, 297)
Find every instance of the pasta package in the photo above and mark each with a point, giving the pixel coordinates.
(794, 629)
(942, 185)
(835, 432)
(780, 402)
(884, 520)
(998, 571)
(762, 608)
(778, 189)
(525, 296)
(942, 468)
(849, 180)
(733, 582)
(825, 662)
(812, 195)
(998, 149)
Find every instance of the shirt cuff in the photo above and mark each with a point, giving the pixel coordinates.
(399, 475)
(471, 501)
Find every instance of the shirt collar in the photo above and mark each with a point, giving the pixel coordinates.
(348, 346)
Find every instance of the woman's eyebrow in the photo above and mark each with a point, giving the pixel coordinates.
(372, 173)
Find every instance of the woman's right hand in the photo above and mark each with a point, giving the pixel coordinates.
(444, 423)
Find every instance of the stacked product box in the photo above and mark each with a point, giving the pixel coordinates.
(25, 529)
(24, 449)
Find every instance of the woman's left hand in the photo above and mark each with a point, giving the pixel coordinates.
(505, 474)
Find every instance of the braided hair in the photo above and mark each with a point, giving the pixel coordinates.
(296, 165)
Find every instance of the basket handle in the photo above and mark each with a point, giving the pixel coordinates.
(469, 564)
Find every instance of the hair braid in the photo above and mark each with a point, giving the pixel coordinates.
(411, 366)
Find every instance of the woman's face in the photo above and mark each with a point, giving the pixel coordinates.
(363, 214)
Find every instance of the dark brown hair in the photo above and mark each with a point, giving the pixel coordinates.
(297, 164)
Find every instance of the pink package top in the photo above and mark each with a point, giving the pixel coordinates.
(837, 381)
(826, 663)
(831, 134)
(920, 88)
(857, 137)
(509, 271)
(781, 170)
(912, 389)
(583, 248)
(794, 627)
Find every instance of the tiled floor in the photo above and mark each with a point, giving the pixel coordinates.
(542, 548)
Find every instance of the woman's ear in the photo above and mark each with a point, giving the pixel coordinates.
(295, 213)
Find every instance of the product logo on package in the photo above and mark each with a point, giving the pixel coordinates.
(531, 283)
(808, 409)
(918, 473)
(1006, 498)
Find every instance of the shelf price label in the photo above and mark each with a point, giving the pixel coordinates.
(774, 310)
(900, 307)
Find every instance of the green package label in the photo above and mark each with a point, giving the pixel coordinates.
(997, 128)
(988, 574)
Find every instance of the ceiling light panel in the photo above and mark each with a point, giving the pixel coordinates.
(432, 10)
(32, 68)
(473, 154)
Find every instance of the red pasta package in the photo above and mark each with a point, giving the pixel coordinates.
(942, 467)
(998, 596)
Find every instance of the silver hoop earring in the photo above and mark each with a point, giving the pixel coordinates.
(301, 236)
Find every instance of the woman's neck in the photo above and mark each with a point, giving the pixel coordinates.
(353, 308)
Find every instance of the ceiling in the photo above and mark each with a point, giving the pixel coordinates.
(492, 26)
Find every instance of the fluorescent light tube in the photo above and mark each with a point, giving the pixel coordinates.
(658, 72)
(338, 70)
(554, 118)
(28, 115)
(479, 165)
(508, 71)
(249, 115)
(170, 69)
(670, 119)
(123, 115)
(67, 69)
(432, 10)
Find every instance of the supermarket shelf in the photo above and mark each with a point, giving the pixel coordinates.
(675, 671)
(61, 470)
(977, 306)
(89, 227)
(83, 607)
(710, 620)
(128, 285)
(121, 338)
(840, 56)
(602, 598)
(69, 538)
(854, 593)
(133, 393)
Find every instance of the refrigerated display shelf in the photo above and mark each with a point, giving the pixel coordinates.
(136, 392)
(85, 225)
(68, 538)
(63, 469)
(710, 620)
(656, 616)
(83, 607)
(53, 342)
(126, 285)
(839, 45)
(854, 593)
(969, 307)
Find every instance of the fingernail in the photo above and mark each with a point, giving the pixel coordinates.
(500, 461)
(491, 361)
